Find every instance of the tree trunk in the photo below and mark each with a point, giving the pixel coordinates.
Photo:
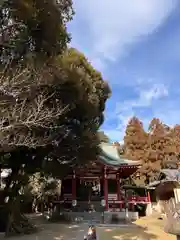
(16, 222)
(12, 177)
(42, 207)
(35, 205)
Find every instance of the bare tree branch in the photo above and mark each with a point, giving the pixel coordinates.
(23, 112)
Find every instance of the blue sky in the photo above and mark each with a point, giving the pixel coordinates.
(137, 49)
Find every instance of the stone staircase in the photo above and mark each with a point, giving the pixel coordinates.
(84, 206)
(81, 214)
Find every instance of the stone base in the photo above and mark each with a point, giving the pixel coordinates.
(96, 217)
(122, 216)
(149, 209)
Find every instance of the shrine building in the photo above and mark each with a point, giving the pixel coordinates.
(103, 179)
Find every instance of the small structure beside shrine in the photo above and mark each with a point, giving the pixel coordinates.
(166, 175)
(166, 181)
(100, 184)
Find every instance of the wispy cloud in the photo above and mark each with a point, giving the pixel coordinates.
(107, 31)
(157, 102)
(146, 98)
(112, 26)
(146, 95)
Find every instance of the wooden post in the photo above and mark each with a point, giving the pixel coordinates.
(126, 207)
(118, 189)
(0, 177)
(106, 189)
(74, 186)
(148, 196)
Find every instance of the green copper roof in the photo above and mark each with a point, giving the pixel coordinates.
(109, 154)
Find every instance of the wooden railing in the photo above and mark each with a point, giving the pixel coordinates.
(133, 199)
(136, 199)
(112, 198)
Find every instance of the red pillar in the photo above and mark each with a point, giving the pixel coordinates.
(106, 189)
(74, 186)
(118, 189)
(148, 196)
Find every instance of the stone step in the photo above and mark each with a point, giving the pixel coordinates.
(85, 216)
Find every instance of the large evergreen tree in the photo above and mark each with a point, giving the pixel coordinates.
(28, 28)
(51, 98)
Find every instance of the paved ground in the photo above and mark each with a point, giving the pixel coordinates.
(146, 228)
(56, 232)
(133, 233)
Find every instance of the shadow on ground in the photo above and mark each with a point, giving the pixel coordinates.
(55, 231)
(125, 233)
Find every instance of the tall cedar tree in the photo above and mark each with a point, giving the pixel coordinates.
(154, 148)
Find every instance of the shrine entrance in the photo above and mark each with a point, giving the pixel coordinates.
(88, 189)
(88, 193)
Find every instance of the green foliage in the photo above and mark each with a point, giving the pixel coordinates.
(54, 111)
(41, 186)
(31, 27)
(51, 98)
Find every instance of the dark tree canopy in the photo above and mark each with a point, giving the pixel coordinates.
(29, 27)
(53, 103)
(58, 108)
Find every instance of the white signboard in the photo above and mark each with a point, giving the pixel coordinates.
(111, 176)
